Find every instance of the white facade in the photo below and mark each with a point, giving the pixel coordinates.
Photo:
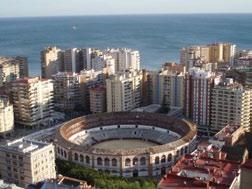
(66, 90)
(6, 116)
(24, 162)
(230, 105)
(32, 101)
(125, 59)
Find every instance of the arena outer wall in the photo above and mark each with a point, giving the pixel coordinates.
(151, 161)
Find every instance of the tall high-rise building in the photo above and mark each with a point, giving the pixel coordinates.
(171, 86)
(87, 57)
(66, 91)
(71, 63)
(151, 90)
(6, 116)
(230, 104)
(125, 59)
(198, 86)
(98, 99)
(212, 53)
(75, 60)
(109, 65)
(25, 162)
(23, 66)
(32, 101)
(9, 70)
(124, 91)
(89, 79)
(51, 61)
(97, 60)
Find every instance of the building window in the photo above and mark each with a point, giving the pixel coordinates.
(135, 161)
(114, 162)
(163, 158)
(99, 161)
(186, 149)
(177, 153)
(181, 151)
(87, 160)
(157, 160)
(127, 162)
(76, 157)
(81, 158)
(169, 158)
(106, 161)
(143, 161)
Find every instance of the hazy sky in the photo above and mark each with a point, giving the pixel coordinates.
(17, 8)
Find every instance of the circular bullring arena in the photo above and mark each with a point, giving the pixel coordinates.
(126, 144)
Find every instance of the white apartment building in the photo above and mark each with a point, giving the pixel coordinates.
(230, 104)
(66, 90)
(25, 162)
(32, 101)
(125, 59)
(6, 116)
(124, 91)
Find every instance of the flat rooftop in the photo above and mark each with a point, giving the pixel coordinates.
(152, 108)
(23, 146)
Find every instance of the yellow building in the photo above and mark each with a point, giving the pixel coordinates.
(211, 53)
(50, 60)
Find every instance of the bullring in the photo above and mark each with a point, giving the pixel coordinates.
(128, 144)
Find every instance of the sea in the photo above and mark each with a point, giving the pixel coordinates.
(158, 37)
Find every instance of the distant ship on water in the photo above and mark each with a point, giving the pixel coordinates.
(74, 27)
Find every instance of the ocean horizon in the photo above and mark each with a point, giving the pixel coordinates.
(158, 37)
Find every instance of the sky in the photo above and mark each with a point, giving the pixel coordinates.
(27, 8)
